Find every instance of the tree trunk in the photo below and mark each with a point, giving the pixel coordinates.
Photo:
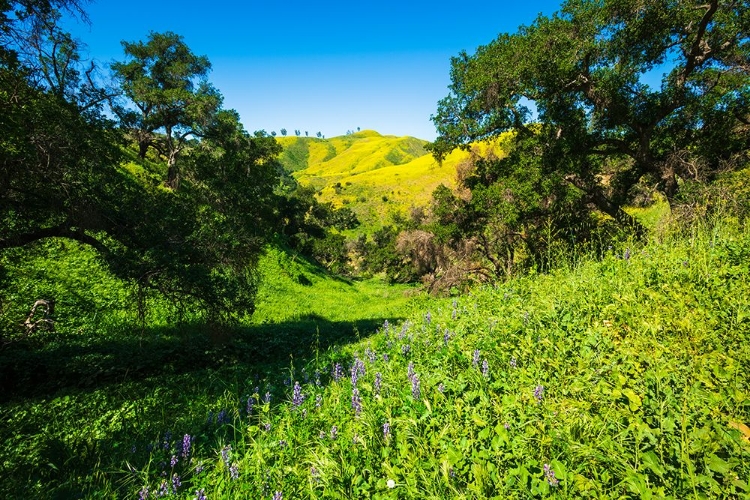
(173, 174)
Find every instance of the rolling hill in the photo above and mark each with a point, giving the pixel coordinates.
(378, 176)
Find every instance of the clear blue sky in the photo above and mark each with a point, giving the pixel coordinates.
(318, 66)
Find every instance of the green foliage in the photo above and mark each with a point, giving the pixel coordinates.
(583, 69)
(295, 155)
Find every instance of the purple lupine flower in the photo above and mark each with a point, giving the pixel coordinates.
(626, 255)
(549, 474)
(297, 397)
(318, 401)
(386, 430)
(234, 472)
(441, 388)
(163, 488)
(334, 432)
(371, 356)
(173, 462)
(415, 391)
(315, 473)
(186, 443)
(386, 326)
(428, 317)
(200, 494)
(402, 333)
(317, 378)
(405, 349)
(222, 417)
(356, 402)
(539, 392)
(226, 454)
(446, 337)
(267, 426)
(410, 370)
(267, 398)
(475, 359)
(385, 357)
(278, 496)
(143, 494)
(513, 363)
(358, 368)
(250, 404)
(378, 382)
(176, 483)
(199, 468)
(283, 443)
(507, 426)
(304, 412)
(338, 372)
(485, 368)
(322, 435)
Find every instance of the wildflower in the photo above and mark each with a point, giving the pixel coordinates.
(513, 363)
(391, 483)
(507, 426)
(143, 494)
(386, 326)
(200, 494)
(315, 473)
(405, 349)
(267, 398)
(234, 471)
(267, 426)
(356, 402)
(539, 393)
(446, 337)
(226, 454)
(283, 443)
(428, 317)
(334, 432)
(454, 313)
(222, 417)
(317, 378)
(250, 404)
(385, 357)
(441, 388)
(451, 472)
(173, 462)
(338, 372)
(626, 255)
(386, 430)
(475, 359)
(415, 391)
(304, 413)
(410, 370)
(176, 483)
(297, 396)
(358, 368)
(371, 356)
(278, 496)
(485, 368)
(163, 488)
(199, 468)
(167, 439)
(322, 435)
(378, 382)
(549, 475)
(318, 401)
(186, 443)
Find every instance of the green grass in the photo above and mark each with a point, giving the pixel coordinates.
(626, 377)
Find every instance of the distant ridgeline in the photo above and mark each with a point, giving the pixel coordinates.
(379, 177)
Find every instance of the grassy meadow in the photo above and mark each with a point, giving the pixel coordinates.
(622, 375)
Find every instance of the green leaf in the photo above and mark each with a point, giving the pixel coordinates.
(634, 399)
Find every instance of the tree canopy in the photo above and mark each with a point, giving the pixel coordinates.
(577, 89)
(69, 171)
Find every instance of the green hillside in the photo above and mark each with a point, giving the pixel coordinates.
(377, 176)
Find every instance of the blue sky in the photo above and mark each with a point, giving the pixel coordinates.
(318, 66)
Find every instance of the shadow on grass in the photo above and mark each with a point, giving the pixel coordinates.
(55, 365)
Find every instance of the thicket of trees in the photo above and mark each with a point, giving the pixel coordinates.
(189, 218)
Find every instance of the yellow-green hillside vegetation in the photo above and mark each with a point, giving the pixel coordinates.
(378, 176)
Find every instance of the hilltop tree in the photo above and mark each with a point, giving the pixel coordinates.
(600, 127)
(297, 132)
(319, 135)
(283, 132)
(167, 84)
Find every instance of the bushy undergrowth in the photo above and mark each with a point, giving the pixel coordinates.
(621, 377)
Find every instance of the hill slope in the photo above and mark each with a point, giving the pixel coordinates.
(377, 176)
